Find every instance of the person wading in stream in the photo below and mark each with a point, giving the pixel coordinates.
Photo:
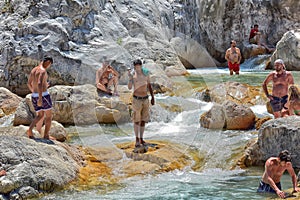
(274, 168)
(140, 80)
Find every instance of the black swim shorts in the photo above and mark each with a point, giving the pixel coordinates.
(278, 103)
(264, 187)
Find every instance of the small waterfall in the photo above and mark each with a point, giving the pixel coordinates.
(257, 63)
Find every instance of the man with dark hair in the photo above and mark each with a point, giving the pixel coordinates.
(41, 100)
(274, 168)
(255, 37)
(140, 80)
(233, 57)
(281, 79)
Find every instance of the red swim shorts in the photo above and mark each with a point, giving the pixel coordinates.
(234, 66)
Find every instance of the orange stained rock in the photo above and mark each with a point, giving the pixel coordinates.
(94, 173)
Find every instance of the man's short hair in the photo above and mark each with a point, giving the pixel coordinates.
(255, 25)
(137, 62)
(285, 156)
(48, 58)
(232, 41)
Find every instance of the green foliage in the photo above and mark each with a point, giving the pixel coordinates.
(119, 41)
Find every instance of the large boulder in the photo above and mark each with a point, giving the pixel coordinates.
(214, 118)
(229, 115)
(77, 105)
(239, 93)
(8, 101)
(287, 49)
(274, 136)
(34, 167)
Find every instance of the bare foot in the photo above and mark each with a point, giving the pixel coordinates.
(2, 173)
(30, 135)
(49, 138)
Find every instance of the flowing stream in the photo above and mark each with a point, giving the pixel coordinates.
(213, 180)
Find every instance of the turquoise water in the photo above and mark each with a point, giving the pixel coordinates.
(214, 180)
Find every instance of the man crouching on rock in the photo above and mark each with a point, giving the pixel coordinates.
(274, 168)
(37, 84)
(140, 80)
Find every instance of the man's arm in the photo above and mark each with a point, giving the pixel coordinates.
(291, 79)
(115, 72)
(150, 90)
(29, 83)
(40, 86)
(240, 56)
(227, 55)
(130, 82)
(269, 166)
(294, 177)
(265, 84)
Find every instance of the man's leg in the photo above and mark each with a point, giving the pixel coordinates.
(114, 82)
(39, 125)
(142, 130)
(136, 127)
(38, 117)
(277, 114)
(231, 72)
(48, 119)
(103, 88)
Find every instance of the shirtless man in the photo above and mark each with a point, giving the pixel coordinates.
(281, 80)
(274, 168)
(233, 56)
(107, 76)
(140, 102)
(37, 84)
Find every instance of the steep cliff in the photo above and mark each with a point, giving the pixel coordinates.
(171, 34)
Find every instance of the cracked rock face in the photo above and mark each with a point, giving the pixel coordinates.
(78, 34)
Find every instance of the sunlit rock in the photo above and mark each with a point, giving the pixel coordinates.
(160, 157)
(8, 101)
(76, 105)
(274, 136)
(34, 166)
(239, 93)
(229, 115)
(214, 118)
(238, 117)
(287, 49)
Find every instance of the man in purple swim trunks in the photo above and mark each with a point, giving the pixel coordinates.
(37, 84)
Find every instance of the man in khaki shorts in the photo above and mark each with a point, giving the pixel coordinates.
(140, 80)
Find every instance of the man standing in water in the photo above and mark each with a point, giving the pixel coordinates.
(281, 80)
(233, 56)
(140, 80)
(37, 84)
(274, 168)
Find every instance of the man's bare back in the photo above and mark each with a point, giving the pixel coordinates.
(38, 78)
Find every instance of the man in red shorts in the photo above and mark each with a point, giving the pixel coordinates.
(233, 56)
